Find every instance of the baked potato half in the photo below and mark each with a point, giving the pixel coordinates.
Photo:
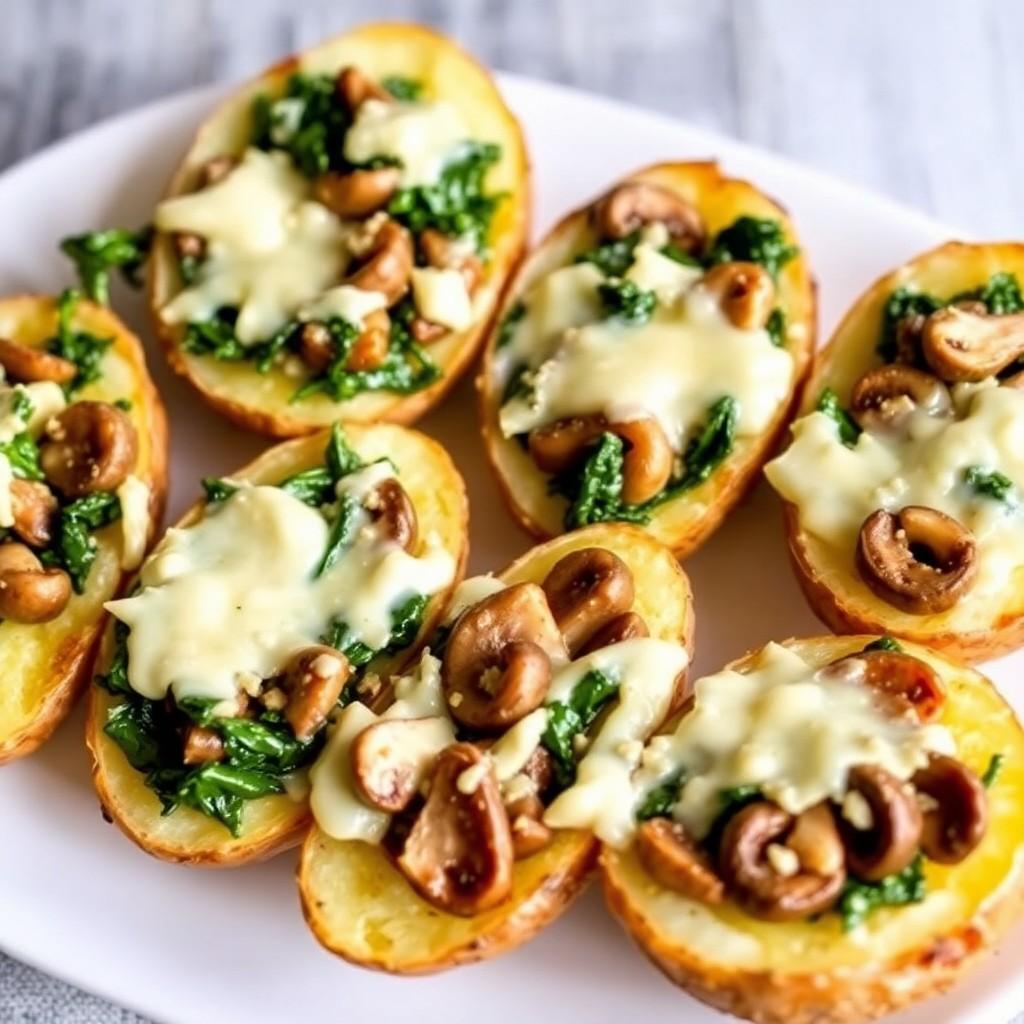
(57, 354)
(901, 949)
(356, 899)
(431, 186)
(915, 420)
(647, 356)
(295, 696)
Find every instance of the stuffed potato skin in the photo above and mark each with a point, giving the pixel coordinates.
(50, 663)
(260, 402)
(360, 907)
(684, 523)
(806, 972)
(274, 823)
(836, 593)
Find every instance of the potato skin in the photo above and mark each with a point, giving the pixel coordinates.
(255, 402)
(275, 823)
(686, 522)
(360, 907)
(853, 992)
(835, 592)
(59, 665)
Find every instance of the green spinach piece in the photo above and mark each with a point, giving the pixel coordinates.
(849, 431)
(73, 548)
(902, 303)
(83, 349)
(776, 327)
(408, 90)
(753, 240)
(627, 301)
(885, 643)
(339, 456)
(572, 718)
(614, 258)
(508, 325)
(216, 489)
(406, 620)
(658, 802)
(96, 253)
(594, 489)
(709, 447)
(340, 533)
(1001, 294)
(132, 726)
(989, 483)
(860, 899)
(992, 770)
(22, 453)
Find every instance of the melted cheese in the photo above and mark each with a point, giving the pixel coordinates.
(511, 752)
(790, 729)
(470, 592)
(6, 504)
(134, 497)
(235, 594)
(423, 137)
(347, 302)
(441, 297)
(835, 487)
(603, 798)
(674, 367)
(667, 278)
(46, 398)
(270, 250)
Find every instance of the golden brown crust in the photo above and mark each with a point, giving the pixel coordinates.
(835, 591)
(73, 638)
(274, 823)
(361, 908)
(870, 981)
(414, 50)
(686, 522)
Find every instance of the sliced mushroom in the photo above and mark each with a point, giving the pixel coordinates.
(371, 347)
(444, 252)
(967, 344)
(918, 559)
(316, 346)
(761, 890)
(24, 363)
(391, 508)
(313, 681)
(675, 861)
(901, 680)
(745, 292)
(91, 446)
(28, 592)
(631, 206)
(387, 265)
(540, 769)
(202, 745)
(354, 88)
(497, 662)
(646, 465)
(34, 507)
(585, 590)
(357, 194)
(390, 759)
(884, 398)
(627, 626)
(956, 823)
(891, 841)
(458, 855)
(529, 833)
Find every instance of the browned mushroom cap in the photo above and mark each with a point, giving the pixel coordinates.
(745, 292)
(956, 823)
(370, 349)
(901, 680)
(751, 879)
(357, 194)
(391, 508)
(884, 397)
(966, 344)
(92, 446)
(391, 757)
(673, 860)
(497, 662)
(529, 833)
(919, 559)
(24, 363)
(202, 745)
(585, 590)
(627, 626)
(540, 769)
(316, 346)
(313, 681)
(458, 854)
(387, 264)
(891, 841)
(629, 207)
(354, 88)
(28, 592)
(33, 506)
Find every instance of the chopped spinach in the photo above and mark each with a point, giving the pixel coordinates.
(708, 448)
(339, 456)
(96, 253)
(1001, 294)
(219, 790)
(658, 802)
(115, 679)
(860, 899)
(216, 489)
(885, 643)
(133, 727)
(989, 483)
(572, 718)
(753, 240)
(22, 453)
(340, 533)
(627, 301)
(776, 327)
(83, 349)
(215, 337)
(992, 770)
(406, 89)
(613, 258)
(737, 797)
(406, 620)
(73, 547)
(849, 431)
(508, 325)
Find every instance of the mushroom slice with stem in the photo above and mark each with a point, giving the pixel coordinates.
(675, 861)
(631, 206)
(34, 507)
(744, 292)
(354, 88)
(387, 265)
(458, 855)
(627, 626)
(393, 512)
(902, 681)
(357, 194)
(25, 363)
(968, 345)
(91, 446)
(918, 559)
(957, 815)
(29, 592)
(313, 681)
(884, 398)
(529, 833)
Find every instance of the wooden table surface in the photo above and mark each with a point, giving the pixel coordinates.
(917, 99)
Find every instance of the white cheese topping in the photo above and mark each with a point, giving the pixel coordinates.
(236, 593)
(441, 297)
(787, 728)
(511, 752)
(134, 497)
(470, 592)
(347, 302)
(6, 505)
(667, 278)
(423, 137)
(270, 249)
(46, 398)
(835, 487)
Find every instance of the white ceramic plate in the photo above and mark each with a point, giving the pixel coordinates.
(191, 946)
